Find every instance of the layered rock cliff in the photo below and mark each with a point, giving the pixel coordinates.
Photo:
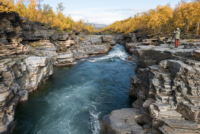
(28, 52)
(166, 89)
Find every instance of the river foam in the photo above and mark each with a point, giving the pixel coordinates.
(74, 99)
(116, 52)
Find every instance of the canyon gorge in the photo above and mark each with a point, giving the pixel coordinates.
(88, 84)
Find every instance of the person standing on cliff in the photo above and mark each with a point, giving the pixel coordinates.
(177, 34)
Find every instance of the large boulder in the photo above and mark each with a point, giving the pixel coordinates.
(107, 38)
(97, 49)
(122, 122)
(196, 54)
(43, 48)
(142, 35)
(39, 69)
(37, 35)
(147, 42)
(64, 45)
(65, 56)
(18, 77)
(80, 55)
(42, 45)
(119, 37)
(96, 41)
(134, 38)
(55, 36)
(130, 45)
(112, 43)
(12, 49)
(63, 37)
(129, 35)
(65, 59)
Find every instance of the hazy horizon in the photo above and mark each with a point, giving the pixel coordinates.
(106, 12)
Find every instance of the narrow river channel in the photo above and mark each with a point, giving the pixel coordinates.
(74, 98)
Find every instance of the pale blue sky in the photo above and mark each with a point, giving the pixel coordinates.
(106, 11)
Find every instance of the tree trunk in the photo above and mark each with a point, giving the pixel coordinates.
(168, 28)
(197, 28)
(160, 28)
(186, 26)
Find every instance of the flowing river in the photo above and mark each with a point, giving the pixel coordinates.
(74, 99)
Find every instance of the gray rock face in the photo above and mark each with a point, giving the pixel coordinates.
(122, 122)
(133, 38)
(80, 55)
(119, 37)
(38, 35)
(107, 38)
(64, 45)
(152, 55)
(17, 80)
(21, 74)
(28, 52)
(97, 49)
(60, 36)
(43, 48)
(65, 59)
(128, 46)
(141, 36)
(96, 41)
(55, 36)
(63, 37)
(166, 87)
(39, 68)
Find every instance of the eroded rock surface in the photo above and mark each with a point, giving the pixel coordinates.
(28, 52)
(167, 87)
(18, 77)
(122, 122)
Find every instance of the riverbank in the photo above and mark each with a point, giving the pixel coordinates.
(28, 52)
(166, 88)
(75, 98)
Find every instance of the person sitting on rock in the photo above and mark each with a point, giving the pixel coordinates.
(177, 36)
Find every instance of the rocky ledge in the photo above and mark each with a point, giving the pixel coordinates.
(28, 52)
(166, 89)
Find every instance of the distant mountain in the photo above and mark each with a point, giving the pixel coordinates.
(97, 25)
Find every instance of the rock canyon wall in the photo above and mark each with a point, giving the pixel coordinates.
(28, 52)
(166, 89)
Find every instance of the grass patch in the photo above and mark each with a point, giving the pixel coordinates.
(35, 45)
(191, 40)
(82, 38)
(59, 31)
(46, 25)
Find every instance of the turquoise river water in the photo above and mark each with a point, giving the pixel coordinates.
(75, 98)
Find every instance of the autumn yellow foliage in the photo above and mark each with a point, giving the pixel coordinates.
(32, 10)
(7, 6)
(185, 16)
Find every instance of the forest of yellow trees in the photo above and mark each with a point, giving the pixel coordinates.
(185, 16)
(34, 11)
